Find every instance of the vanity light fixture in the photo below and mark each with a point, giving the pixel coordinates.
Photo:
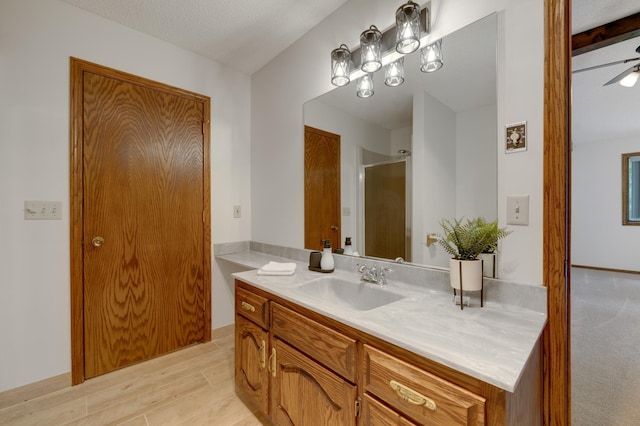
(394, 73)
(386, 48)
(631, 78)
(370, 49)
(431, 57)
(365, 86)
(408, 28)
(340, 66)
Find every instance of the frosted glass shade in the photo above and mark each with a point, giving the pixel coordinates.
(370, 59)
(340, 66)
(408, 28)
(431, 57)
(365, 86)
(394, 73)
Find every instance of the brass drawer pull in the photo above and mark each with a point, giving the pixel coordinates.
(411, 396)
(263, 354)
(272, 362)
(247, 307)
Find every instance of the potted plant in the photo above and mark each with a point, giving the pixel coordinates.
(465, 241)
(489, 254)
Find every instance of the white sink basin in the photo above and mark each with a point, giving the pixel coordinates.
(358, 296)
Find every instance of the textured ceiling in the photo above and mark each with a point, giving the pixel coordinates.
(587, 14)
(242, 34)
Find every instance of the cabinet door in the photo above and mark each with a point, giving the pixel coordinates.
(304, 393)
(251, 374)
(375, 413)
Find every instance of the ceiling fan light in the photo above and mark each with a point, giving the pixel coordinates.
(631, 79)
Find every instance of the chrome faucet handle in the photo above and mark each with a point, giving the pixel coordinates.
(382, 278)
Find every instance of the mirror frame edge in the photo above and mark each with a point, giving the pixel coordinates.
(556, 212)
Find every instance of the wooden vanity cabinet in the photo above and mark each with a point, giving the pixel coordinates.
(251, 348)
(418, 394)
(307, 394)
(375, 413)
(313, 370)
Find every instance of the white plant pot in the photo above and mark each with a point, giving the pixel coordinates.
(489, 264)
(465, 275)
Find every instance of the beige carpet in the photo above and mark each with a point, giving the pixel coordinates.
(605, 348)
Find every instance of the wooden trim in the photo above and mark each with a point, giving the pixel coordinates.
(605, 35)
(598, 268)
(625, 190)
(556, 216)
(77, 68)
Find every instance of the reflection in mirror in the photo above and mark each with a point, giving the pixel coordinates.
(438, 129)
(631, 189)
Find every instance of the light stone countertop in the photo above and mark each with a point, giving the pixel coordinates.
(492, 343)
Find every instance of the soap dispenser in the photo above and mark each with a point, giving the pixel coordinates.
(347, 246)
(326, 262)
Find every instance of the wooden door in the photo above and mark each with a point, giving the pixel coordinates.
(385, 213)
(251, 374)
(321, 188)
(306, 394)
(141, 185)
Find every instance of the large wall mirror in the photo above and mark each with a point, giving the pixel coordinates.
(417, 153)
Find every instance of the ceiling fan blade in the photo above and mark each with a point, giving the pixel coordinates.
(620, 76)
(623, 61)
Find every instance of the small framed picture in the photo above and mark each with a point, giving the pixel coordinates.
(516, 137)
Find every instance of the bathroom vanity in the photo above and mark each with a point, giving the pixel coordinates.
(308, 353)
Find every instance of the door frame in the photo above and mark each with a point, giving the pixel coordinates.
(76, 213)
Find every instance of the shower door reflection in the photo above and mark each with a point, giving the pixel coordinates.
(386, 224)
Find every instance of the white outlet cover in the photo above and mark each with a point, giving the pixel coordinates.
(518, 210)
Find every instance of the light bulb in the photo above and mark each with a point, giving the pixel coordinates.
(631, 79)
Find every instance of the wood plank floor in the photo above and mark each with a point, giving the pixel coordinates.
(193, 386)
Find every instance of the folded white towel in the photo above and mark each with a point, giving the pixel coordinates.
(278, 268)
(280, 273)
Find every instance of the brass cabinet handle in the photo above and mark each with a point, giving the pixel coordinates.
(272, 362)
(97, 241)
(411, 396)
(263, 354)
(247, 307)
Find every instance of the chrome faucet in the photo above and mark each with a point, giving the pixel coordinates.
(373, 274)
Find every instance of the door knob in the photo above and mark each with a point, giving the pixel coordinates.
(334, 227)
(97, 241)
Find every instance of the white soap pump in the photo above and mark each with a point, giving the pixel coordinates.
(348, 249)
(326, 261)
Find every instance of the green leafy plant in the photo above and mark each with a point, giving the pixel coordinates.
(465, 240)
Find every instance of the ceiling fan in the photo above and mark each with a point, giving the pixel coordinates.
(626, 78)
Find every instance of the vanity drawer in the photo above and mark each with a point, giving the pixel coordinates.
(252, 307)
(418, 394)
(331, 348)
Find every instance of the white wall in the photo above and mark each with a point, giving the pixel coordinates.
(437, 187)
(302, 73)
(476, 163)
(37, 37)
(598, 237)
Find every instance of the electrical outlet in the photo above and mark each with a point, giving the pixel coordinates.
(236, 212)
(42, 210)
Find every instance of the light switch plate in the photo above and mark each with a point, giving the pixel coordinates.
(518, 210)
(237, 212)
(42, 210)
